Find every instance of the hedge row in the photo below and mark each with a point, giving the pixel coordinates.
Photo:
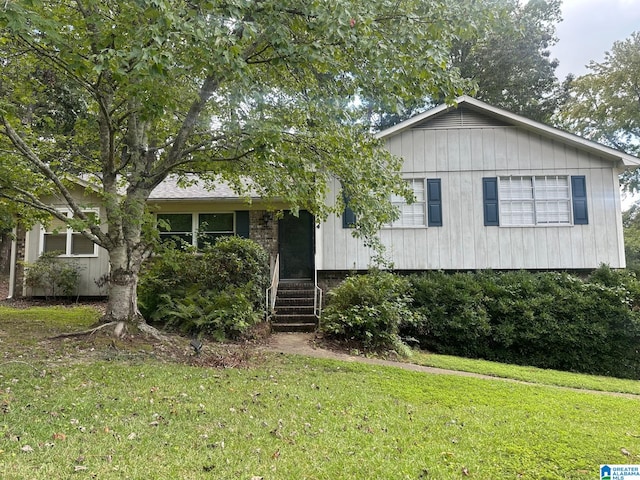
(550, 320)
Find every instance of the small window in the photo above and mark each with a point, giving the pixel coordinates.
(57, 237)
(176, 227)
(414, 214)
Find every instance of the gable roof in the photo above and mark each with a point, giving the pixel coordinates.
(503, 117)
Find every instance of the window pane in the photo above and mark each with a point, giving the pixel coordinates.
(553, 200)
(55, 242)
(177, 238)
(517, 213)
(81, 245)
(215, 222)
(515, 188)
(413, 215)
(178, 222)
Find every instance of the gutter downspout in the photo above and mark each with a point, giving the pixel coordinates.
(12, 266)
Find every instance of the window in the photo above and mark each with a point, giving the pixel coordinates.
(426, 210)
(414, 214)
(535, 200)
(198, 229)
(57, 237)
(212, 226)
(176, 226)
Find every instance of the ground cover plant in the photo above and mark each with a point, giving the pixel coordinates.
(108, 413)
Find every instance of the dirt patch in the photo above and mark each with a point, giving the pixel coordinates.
(4, 288)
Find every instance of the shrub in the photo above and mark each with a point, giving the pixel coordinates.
(451, 318)
(53, 275)
(221, 314)
(368, 309)
(550, 319)
(220, 292)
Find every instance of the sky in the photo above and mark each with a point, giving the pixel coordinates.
(588, 30)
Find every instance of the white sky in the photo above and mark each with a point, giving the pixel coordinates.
(588, 30)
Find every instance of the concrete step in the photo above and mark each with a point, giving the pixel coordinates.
(293, 327)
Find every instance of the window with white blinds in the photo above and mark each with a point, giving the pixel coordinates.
(540, 200)
(414, 214)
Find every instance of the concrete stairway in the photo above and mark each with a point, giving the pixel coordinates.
(294, 307)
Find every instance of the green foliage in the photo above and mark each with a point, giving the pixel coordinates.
(511, 61)
(508, 60)
(450, 309)
(550, 320)
(221, 314)
(54, 276)
(603, 104)
(368, 309)
(260, 95)
(218, 293)
(631, 226)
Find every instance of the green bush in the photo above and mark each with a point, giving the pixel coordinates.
(549, 320)
(368, 310)
(220, 314)
(220, 292)
(451, 316)
(55, 276)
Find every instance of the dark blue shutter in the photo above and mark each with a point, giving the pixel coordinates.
(242, 223)
(490, 201)
(348, 216)
(579, 198)
(434, 202)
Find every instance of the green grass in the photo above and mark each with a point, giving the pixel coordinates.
(300, 418)
(84, 408)
(527, 374)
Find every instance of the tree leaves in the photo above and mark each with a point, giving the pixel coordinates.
(603, 104)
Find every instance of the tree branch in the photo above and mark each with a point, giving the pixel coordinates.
(30, 155)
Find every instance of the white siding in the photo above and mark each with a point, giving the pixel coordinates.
(461, 158)
(91, 268)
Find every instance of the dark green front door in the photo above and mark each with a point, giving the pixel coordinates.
(295, 245)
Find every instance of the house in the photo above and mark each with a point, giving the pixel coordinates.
(493, 190)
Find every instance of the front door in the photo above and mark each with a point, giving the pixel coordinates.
(295, 245)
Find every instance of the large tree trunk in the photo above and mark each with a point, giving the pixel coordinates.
(125, 266)
(122, 306)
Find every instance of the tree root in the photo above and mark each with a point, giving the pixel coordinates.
(118, 332)
(154, 332)
(84, 332)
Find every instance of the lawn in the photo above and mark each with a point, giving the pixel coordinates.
(88, 408)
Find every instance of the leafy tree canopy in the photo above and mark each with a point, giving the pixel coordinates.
(509, 61)
(130, 91)
(604, 104)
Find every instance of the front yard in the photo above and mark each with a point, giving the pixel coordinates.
(95, 408)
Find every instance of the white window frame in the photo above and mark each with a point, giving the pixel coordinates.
(417, 210)
(69, 235)
(195, 225)
(529, 201)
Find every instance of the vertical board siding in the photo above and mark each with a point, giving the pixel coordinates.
(461, 158)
